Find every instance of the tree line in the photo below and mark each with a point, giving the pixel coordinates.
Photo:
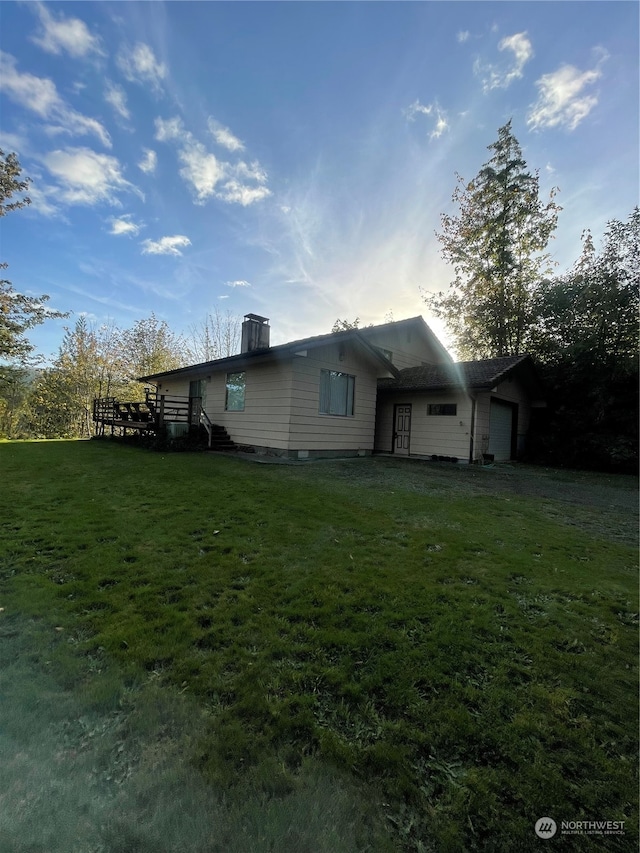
(581, 326)
(102, 361)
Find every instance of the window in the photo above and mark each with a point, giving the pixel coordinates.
(336, 393)
(234, 401)
(442, 409)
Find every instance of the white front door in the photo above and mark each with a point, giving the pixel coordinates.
(401, 430)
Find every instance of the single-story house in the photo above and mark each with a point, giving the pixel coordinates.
(391, 388)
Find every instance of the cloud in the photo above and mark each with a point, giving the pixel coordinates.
(209, 176)
(116, 97)
(463, 36)
(563, 100)
(58, 33)
(139, 65)
(39, 94)
(502, 76)
(224, 137)
(44, 199)
(86, 177)
(235, 192)
(201, 169)
(165, 245)
(149, 161)
(172, 129)
(239, 283)
(122, 225)
(434, 111)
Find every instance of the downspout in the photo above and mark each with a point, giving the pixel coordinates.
(472, 439)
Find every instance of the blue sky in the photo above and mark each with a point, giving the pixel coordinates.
(293, 159)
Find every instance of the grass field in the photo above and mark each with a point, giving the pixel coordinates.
(202, 654)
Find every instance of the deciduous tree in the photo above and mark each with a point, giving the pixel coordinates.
(216, 336)
(151, 347)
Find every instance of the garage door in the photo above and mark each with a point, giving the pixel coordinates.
(500, 430)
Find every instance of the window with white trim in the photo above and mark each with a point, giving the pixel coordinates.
(336, 393)
(234, 400)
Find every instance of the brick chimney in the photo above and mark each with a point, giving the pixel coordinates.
(255, 333)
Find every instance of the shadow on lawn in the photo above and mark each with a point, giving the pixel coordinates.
(100, 769)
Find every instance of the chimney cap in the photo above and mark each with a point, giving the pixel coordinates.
(256, 317)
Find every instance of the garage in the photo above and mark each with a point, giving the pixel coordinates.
(501, 423)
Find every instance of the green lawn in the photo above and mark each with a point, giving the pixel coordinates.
(335, 656)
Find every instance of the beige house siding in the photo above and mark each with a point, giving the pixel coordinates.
(311, 430)
(441, 435)
(282, 402)
(407, 346)
(265, 419)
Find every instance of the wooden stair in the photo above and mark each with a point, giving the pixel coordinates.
(221, 440)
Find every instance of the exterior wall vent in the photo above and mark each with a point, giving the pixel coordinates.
(255, 333)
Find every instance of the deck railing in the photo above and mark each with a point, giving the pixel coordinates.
(151, 414)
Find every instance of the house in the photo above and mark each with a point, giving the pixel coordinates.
(391, 388)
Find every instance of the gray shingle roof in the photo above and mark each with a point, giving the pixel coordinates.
(485, 373)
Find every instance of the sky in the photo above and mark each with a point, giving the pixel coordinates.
(293, 159)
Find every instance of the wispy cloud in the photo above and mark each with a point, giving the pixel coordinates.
(438, 115)
(116, 97)
(40, 96)
(86, 177)
(201, 169)
(122, 225)
(44, 198)
(463, 35)
(224, 137)
(149, 161)
(209, 176)
(564, 98)
(165, 245)
(58, 34)
(139, 65)
(12, 142)
(500, 76)
(239, 283)
(236, 193)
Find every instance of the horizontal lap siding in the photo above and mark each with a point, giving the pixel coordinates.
(265, 419)
(267, 407)
(439, 435)
(408, 348)
(312, 431)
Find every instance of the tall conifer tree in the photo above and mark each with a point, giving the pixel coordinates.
(496, 245)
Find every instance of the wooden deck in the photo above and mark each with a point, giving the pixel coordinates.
(159, 414)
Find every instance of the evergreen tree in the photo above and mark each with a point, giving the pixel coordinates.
(18, 313)
(496, 245)
(586, 338)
